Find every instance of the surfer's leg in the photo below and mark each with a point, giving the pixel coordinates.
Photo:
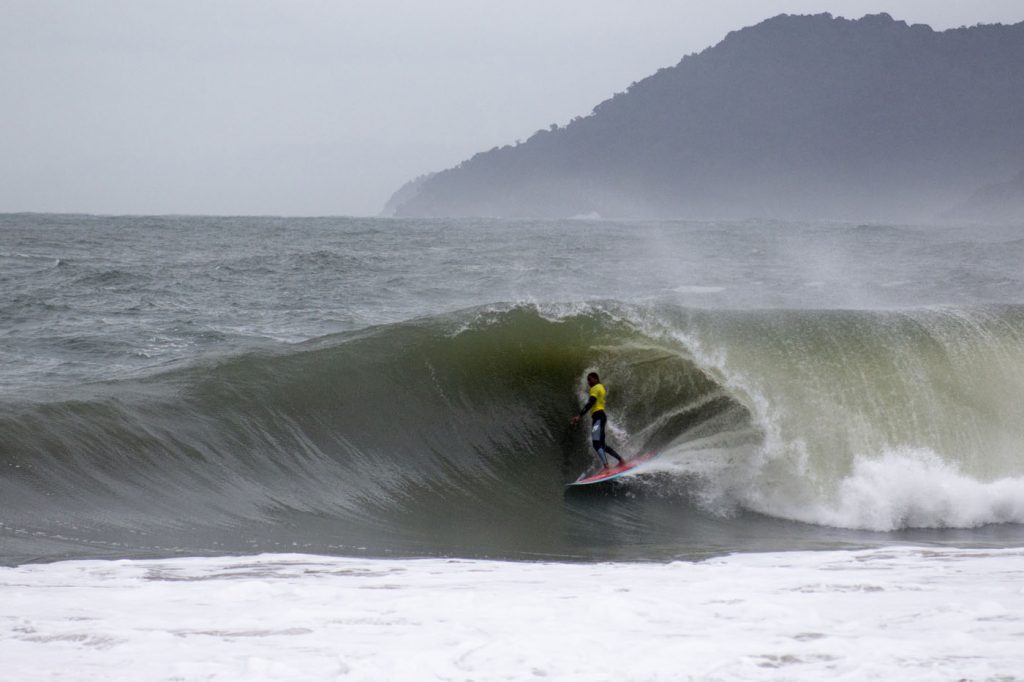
(611, 451)
(597, 434)
(596, 438)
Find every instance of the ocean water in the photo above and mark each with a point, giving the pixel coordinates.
(392, 393)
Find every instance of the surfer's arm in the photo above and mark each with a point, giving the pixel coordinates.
(590, 403)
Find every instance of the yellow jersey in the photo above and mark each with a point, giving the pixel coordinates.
(598, 393)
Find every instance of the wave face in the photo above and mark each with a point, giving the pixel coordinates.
(449, 435)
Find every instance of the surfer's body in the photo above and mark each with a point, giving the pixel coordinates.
(599, 420)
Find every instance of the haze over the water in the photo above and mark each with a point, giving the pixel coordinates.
(301, 108)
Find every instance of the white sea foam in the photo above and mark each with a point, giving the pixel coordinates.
(918, 489)
(921, 614)
(902, 488)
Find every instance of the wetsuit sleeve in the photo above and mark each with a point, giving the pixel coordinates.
(590, 403)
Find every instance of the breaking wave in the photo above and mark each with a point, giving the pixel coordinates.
(450, 435)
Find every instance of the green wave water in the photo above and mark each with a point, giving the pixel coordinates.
(449, 435)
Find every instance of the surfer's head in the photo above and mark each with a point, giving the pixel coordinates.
(593, 379)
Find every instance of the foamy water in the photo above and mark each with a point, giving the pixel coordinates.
(897, 613)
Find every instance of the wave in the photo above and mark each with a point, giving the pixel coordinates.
(450, 434)
(845, 397)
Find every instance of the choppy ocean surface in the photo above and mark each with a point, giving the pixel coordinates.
(372, 388)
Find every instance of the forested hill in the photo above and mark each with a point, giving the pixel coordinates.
(796, 117)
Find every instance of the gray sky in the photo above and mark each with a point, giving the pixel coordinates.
(313, 107)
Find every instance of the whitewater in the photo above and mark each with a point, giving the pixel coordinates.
(336, 448)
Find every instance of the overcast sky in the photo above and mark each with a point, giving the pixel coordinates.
(317, 107)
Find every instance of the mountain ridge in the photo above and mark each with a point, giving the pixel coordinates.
(799, 116)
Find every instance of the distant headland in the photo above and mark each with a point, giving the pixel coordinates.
(798, 117)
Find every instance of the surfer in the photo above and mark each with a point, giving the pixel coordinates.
(595, 405)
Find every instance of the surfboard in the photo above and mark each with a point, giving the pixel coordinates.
(609, 474)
